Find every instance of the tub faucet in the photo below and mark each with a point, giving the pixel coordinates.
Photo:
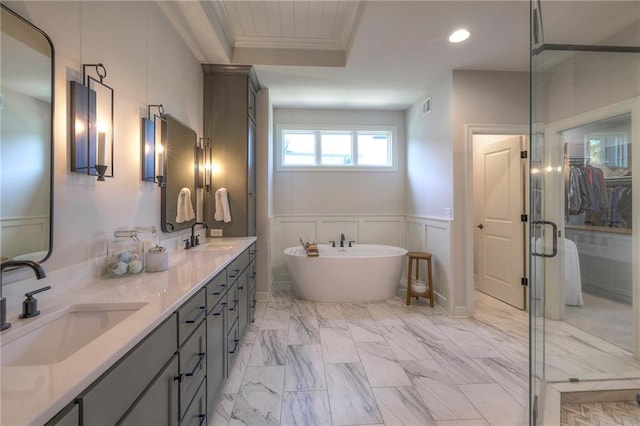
(342, 240)
(194, 240)
(37, 269)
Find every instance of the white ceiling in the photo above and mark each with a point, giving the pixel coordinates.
(288, 24)
(378, 54)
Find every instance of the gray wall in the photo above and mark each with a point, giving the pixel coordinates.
(330, 192)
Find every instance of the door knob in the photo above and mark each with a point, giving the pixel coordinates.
(481, 226)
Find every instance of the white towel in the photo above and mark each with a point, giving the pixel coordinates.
(185, 207)
(223, 212)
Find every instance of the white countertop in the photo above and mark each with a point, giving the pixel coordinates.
(34, 394)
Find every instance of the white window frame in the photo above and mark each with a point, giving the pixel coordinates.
(353, 129)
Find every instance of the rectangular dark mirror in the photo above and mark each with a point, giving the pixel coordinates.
(178, 196)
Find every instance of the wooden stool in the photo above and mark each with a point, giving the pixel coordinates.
(417, 255)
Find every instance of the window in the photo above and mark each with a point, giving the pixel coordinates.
(299, 148)
(336, 149)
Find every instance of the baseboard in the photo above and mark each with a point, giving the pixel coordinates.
(460, 312)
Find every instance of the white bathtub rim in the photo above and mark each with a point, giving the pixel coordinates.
(341, 252)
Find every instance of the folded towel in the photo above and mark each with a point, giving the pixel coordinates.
(223, 212)
(185, 207)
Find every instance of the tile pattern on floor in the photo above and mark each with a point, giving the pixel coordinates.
(306, 363)
(600, 413)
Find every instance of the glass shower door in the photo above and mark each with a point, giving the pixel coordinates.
(585, 137)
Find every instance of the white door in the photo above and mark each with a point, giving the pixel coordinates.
(499, 172)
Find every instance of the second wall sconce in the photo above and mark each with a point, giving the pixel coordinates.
(154, 154)
(92, 124)
(203, 164)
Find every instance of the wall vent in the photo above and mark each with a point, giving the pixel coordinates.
(426, 106)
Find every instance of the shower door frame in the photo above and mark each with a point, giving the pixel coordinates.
(552, 204)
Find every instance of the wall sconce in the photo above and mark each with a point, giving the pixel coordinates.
(203, 164)
(154, 154)
(92, 131)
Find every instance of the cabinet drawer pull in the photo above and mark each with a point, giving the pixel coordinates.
(223, 305)
(201, 311)
(255, 302)
(203, 418)
(235, 346)
(235, 305)
(253, 275)
(235, 273)
(240, 287)
(200, 358)
(218, 290)
(178, 378)
(252, 252)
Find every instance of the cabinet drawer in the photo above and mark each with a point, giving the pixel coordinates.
(196, 414)
(237, 266)
(159, 403)
(216, 289)
(252, 276)
(252, 251)
(112, 394)
(233, 304)
(243, 305)
(193, 365)
(191, 314)
(233, 345)
(216, 338)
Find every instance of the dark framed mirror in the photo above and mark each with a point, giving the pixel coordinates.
(178, 195)
(26, 139)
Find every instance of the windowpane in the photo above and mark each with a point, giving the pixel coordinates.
(373, 149)
(299, 149)
(336, 149)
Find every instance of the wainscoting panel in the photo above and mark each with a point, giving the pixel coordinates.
(24, 235)
(433, 235)
(387, 230)
(330, 229)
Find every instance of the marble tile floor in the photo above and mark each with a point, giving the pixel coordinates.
(305, 363)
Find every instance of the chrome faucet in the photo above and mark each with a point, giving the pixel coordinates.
(342, 240)
(194, 240)
(37, 269)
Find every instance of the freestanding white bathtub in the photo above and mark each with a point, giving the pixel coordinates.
(362, 273)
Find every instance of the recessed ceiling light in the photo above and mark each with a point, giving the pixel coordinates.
(459, 35)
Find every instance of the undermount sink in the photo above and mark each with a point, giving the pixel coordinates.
(65, 334)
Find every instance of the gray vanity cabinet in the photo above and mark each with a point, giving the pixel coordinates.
(243, 304)
(193, 366)
(158, 405)
(229, 120)
(110, 397)
(196, 414)
(176, 374)
(216, 347)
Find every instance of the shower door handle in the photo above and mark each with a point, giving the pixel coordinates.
(554, 239)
